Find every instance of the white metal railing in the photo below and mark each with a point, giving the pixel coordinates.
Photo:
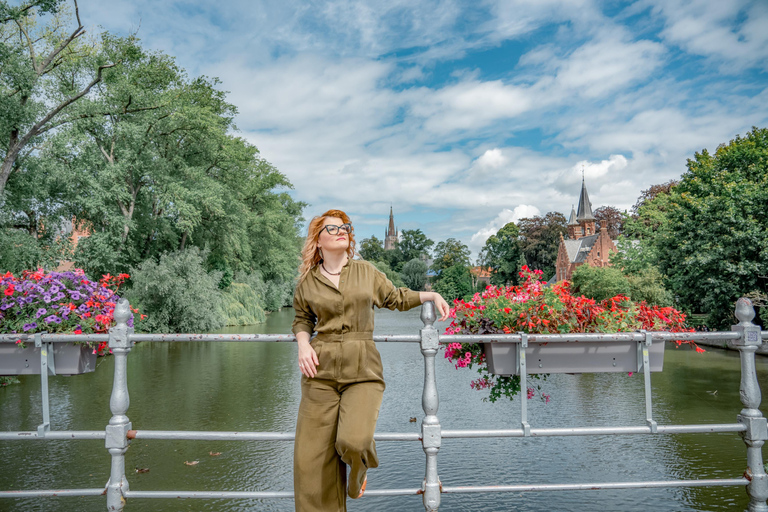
(750, 423)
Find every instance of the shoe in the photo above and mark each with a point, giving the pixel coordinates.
(362, 488)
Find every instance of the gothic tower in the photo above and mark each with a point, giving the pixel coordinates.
(584, 217)
(390, 235)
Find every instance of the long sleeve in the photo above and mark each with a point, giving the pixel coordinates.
(386, 295)
(304, 319)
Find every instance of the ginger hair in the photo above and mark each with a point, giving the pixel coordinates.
(310, 253)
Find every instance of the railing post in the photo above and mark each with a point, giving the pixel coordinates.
(430, 426)
(750, 415)
(117, 430)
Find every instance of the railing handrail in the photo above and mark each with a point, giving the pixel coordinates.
(395, 338)
(746, 337)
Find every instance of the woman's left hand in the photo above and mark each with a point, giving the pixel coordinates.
(440, 303)
(442, 306)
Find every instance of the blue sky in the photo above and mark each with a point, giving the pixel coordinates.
(465, 115)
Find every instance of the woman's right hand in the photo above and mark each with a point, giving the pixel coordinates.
(307, 356)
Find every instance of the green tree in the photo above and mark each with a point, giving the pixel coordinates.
(372, 249)
(637, 248)
(393, 276)
(455, 282)
(501, 253)
(44, 72)
(414, 274)
(540, 239)
(599, 283)
(648, 286)
(177, 294)
(610, 218)
(714, 249)
(450, 253)
(413, 244)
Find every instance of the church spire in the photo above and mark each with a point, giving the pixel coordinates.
(585, 207)
(390, 236)
(572, 219)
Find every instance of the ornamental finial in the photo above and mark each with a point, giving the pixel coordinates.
(745, 311)
(122, 311)
(428, 316)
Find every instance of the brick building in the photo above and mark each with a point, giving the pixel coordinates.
(584, 244)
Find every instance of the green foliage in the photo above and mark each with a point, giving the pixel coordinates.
(149, 165)
(241, 305)
(502, 254)
(177, 294)
(21, 251)
(413, 244)
(599, 283)
(414, 274)
(97, 254)
(371, 249)
(712, 246)
(450, 253)
(648, 286)
(18, 251)
(278, 294)
(455, 282)
(45, 71)
(540, 240)
(393, 276)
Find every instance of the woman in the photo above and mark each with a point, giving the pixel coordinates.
(342, 380)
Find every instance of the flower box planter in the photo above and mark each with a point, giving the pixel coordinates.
(573, 357)
(69, 359)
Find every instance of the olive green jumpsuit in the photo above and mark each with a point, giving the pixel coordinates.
(340, 405)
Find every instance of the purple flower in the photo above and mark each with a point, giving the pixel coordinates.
(59, 296)
(47, 298)
(30, 326)
(5, 306)
(41, 312)
(53, 319)
(54, 289)
(74, 295)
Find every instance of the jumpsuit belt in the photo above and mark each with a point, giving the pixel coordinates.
(352, 335)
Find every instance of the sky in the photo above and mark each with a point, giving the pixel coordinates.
(463, 115)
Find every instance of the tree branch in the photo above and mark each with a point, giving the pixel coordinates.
(92, 115)
(77, 33)
(36, 130)
(31, 46)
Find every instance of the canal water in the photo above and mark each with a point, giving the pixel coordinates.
(255, 387)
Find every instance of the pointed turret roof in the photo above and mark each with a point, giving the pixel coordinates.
(585, 207)
(572, 219)
(391, 229)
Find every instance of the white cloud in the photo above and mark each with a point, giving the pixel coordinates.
(734, 33)
(491, 159)
(504, 217)
(424, 105)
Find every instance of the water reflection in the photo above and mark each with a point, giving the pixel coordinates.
(255, 386)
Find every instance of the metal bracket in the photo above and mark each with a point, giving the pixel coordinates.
(523, 371)
(645, 346)
(431, 436)
(46, 356)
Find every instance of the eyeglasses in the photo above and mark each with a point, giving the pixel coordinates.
(333, 230)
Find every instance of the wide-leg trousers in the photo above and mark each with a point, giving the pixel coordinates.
(335, 427)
